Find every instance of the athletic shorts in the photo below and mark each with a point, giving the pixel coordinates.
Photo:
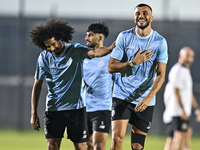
(99, 121)
(125, 110)
(179, 124)
(73, 121)
(170, 130)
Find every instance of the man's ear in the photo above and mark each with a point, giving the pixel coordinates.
(101, 37)
(151, 18)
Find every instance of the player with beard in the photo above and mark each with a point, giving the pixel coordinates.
(140, 58)
(97, 89)
(60, 63)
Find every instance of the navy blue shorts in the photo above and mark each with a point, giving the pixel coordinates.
(125, 110)
(180, 125)
(73, 121)
(99, 121)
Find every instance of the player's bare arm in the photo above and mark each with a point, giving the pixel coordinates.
(160, 79)
(116, 66)
(101, 51)
(178, 98)
(34, 103)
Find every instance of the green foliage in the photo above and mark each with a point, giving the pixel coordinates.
(34, 140)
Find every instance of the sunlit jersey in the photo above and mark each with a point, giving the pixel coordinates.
(135, 83)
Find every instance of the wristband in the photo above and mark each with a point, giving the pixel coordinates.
(131, 63)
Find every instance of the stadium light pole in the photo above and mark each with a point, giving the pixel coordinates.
(21, 66)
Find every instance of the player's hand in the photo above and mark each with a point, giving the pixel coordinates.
(112, 46)
(197, 112)
(142, 57)
(184, 116)
(35, 123)
(142, 105)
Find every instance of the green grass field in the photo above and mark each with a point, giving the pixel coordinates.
(34, 140)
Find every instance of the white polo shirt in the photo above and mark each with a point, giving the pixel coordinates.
(179, 77)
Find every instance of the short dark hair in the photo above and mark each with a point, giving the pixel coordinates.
(99, 27)
(142, 5)
(59, 29)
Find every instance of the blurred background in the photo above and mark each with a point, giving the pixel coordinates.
(178, 21)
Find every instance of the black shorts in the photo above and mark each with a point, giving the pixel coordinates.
(180, 125)
(170, 130)
(74, 121)
(99, 121)
(125, 110)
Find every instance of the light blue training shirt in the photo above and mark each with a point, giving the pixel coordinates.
(98, 84)
(135, 83)
(63, 75)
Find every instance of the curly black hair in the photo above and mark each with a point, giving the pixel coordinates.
(59, 29)
(99, 27)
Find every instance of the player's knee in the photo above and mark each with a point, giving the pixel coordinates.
(79, 145)
(137, 141)
(117, 139)
(89, 146)
(53, 143)
(99, 146)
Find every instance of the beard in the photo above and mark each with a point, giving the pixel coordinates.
(91, 45)
(142, 27)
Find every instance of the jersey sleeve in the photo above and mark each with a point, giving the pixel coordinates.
(40, 73)
(118, 50)
(83, 50)
(163, 52)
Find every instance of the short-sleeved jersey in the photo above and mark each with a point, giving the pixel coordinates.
(135, 83)
(98, 84)
(63, 75)
(179, 77)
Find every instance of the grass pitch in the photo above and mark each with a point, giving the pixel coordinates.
(35, 140)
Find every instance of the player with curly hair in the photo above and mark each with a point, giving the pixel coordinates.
(61, 63)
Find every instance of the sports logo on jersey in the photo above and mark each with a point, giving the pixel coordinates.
(53, 68)
(101, 64)
(130, 51)
(102, 126)
(131, 47)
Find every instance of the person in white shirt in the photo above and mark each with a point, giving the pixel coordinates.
(179, 99)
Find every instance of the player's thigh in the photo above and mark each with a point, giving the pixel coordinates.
(100, 137)
(119, 128)
(177, 137)
(136, 130)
